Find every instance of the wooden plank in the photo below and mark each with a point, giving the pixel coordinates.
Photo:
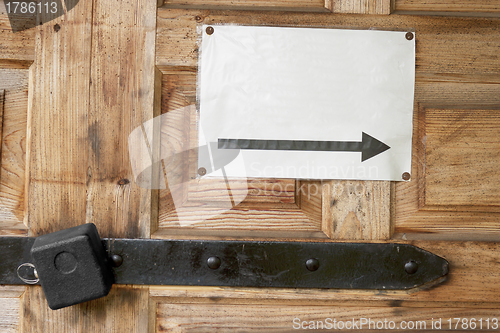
(472, 282)
(10, 305)
(80, 118)
(360, 6)
(205, 317)
(19, 46)
(13, 155)
(125, 309)
(2, 98)
(121, 99)
(10, 315)
(57, 150)
(282, 5)
(450, 222)
(461, 157)
(359, 210)
(469, 7)
(463, 48)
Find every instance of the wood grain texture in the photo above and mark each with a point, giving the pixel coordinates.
(360, 210)
(282, 5)
(471, 222)
(90, 88)
(472, 282)
(10, 315)
(287, 318)
(19, 46)
(121, 99)
(451, 47)
(360, 6)
(2, 98)
(125, 309)
(462, 154)
(58, 143)
(10, 305)
(469, 7)
(13, 152)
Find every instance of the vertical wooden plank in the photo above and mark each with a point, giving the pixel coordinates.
(57, 147)
(121, 99)
(92, 83)
(359, 210)
(10, 305)
(2, 94)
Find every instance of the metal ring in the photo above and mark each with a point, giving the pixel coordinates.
(28, 281)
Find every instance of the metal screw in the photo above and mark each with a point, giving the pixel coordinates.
(213, 262)
(406, 176)
(116, 260)
(210, 30)
(312, 264)
(409, 35)
(411, 267)
(202, 171)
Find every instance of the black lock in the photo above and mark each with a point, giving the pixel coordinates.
(72, 266)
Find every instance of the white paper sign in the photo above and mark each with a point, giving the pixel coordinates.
(308, 103)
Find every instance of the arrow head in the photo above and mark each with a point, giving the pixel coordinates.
(371, 147)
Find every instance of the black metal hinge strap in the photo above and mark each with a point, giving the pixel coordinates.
(254, 264)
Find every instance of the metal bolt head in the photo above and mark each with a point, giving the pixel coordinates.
(406, 176)
(411, 267)
(213, 262)
(116, 260)
(312, 264)
(210, 30)
(409, 35)
(202, 171)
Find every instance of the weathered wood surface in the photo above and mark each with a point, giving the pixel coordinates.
(462, 155)
(16, 47)
(359, 210)
(14, 84)
(360, 6)
(467, 7)
(287, 5)
(230, 317)
(77, 154)
(335, 6)
(92, 83)
(479, 219)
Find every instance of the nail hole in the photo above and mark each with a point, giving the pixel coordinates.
(123, 181)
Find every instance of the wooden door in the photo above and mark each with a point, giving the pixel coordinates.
(73, 88)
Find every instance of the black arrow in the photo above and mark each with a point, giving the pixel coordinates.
(368, 147)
